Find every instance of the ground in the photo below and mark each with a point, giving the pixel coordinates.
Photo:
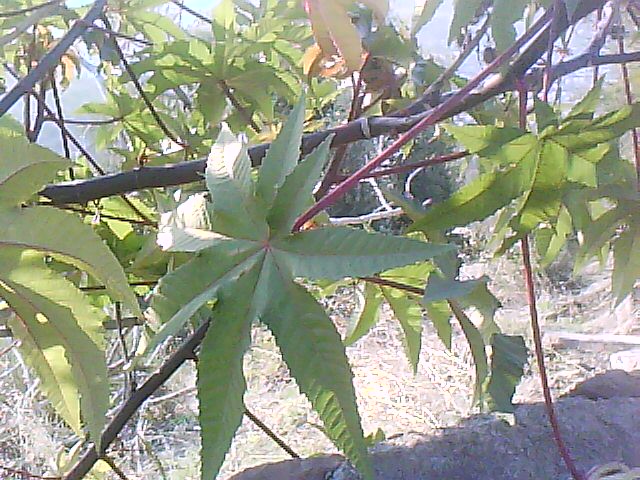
(162, 441)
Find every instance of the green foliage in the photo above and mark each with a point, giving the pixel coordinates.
(537, 172)
(257, 258)
(228, 255)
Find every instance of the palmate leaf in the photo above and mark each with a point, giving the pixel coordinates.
(261, 246)
(61, 338)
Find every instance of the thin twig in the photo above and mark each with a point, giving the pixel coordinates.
(435, 87)
(271, 434)
(71, 208)
(196, 14)
(537, 341)
(383, 282)
(109, 461)
(106, 121)
(546, 78)
(141, 283)
(407, 167)
(155, 381)
(367, 218)
(113, 33)
(141, 91)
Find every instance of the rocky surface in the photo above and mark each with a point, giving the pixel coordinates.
(600, 421)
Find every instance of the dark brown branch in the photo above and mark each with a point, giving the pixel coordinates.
(51, 59)
(185, 172)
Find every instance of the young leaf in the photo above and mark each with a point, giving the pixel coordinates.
(228, 176)
(188, 228)
(221, 383)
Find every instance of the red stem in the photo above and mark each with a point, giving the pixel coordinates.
(535, 324)
(629, 98)
(431, 118)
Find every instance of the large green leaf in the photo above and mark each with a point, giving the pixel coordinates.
(221, 383)
(476, 201)
(186, 290)
(276, 257)
(61, 338)
(334, 253)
